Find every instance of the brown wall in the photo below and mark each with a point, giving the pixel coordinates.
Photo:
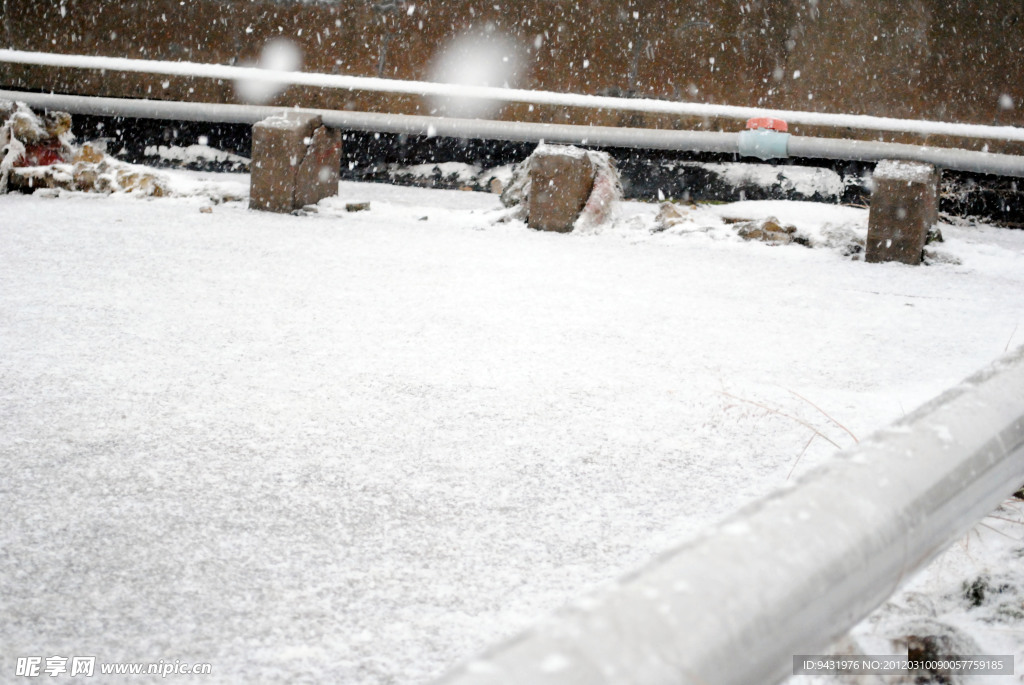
(950, 60)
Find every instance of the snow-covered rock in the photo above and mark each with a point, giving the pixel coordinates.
(600, 198)
(37, 151)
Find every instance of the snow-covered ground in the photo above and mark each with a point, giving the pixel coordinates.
(358, 447)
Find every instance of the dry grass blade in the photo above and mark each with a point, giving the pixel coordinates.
(773, 410)
(825, 414)
(997, 531)
(802, 453)
(1003, 518)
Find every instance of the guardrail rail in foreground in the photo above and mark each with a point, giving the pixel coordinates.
(793, 572)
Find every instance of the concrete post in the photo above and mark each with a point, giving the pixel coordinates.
(904, 207)
(295, 162)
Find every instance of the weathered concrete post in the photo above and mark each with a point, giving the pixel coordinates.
(295, 162)
(561, 179)
(904, 207)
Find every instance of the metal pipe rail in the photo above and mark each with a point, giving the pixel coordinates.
(538, 97)
(793, 572)
(598, 136)
(416, 125)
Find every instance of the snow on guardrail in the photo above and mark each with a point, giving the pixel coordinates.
(539, 97)
(789, 574)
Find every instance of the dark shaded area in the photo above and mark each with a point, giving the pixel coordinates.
(996, 198)
(681, 176)
(979, 591)
(368, 156)
(930, 653)
(128, 138)
(647, 174)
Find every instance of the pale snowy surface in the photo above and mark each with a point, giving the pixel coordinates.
(806, 181)
(360, 447)
(900, 170)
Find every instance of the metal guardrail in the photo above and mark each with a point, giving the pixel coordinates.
(793, 572)
(537, 97)
(599, 136)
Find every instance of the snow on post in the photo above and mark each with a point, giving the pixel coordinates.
(296, 161)
(904, 207)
